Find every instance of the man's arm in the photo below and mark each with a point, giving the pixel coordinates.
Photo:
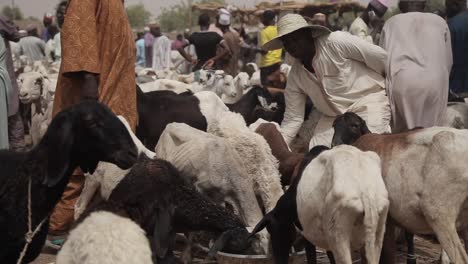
(352, 47)
(226, 51)
(295, 100)
(184, 54)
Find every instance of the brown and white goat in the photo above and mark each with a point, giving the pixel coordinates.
(426, 178)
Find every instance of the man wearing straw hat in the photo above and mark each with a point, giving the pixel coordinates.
(360, 26)
(338, 71)
(418, 66)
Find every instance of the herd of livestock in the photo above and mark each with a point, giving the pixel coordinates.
(208, 161)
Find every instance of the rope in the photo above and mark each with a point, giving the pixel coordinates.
(28, 237)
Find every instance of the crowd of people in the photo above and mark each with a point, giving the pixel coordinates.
(397, 75)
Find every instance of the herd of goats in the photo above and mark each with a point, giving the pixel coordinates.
(208, 161)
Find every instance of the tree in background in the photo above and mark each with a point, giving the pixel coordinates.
(138, 16)
(12, 13)
(176, 17)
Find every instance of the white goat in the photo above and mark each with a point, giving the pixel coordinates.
(218, 83)
(255, 153)
(37, 89)
(214, 165)
(241, 83)
(106, 238)
(342, 203)
(106, 176)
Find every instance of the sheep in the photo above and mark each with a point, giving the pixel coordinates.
(162, 201)
(288, 161)
(255, 98)
(81, 135)
(106, 176)
(424, 177)
(255, 76)
(104, 237)
(255, 153)
(218, 83)
(159, 108)
(241, 83)
(216, 169)
(339, 202)
(37, 90)
(457, 115)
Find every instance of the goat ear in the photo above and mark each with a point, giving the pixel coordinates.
(364, 129)
(261, 225)
(162, 234)
(219, 244)
(60, 144)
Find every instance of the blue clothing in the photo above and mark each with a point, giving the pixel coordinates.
(140, 53)
(458, 26)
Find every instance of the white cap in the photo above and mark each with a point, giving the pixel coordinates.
(224, 19)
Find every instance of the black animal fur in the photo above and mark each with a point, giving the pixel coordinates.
(81, 135)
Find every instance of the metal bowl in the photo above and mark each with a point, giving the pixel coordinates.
(226, 258)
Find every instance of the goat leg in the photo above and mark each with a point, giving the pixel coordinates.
(410, 255)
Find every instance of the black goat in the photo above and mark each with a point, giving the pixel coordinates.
(282, 221)
(159, 108)
(162, 202)
(81, 135)
(257, 97)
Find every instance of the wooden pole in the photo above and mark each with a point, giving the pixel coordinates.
(190, 15)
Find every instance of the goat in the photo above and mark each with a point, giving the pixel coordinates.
(81, 135)
(254, 98)
(104, 237)
(162, 201)
(339, 202)
(424, 177)
(159, 108)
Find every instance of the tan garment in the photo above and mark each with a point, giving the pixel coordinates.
(231, 66)
(97, 38)
(418, 69)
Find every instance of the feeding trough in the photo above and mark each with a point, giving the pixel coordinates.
(226, 258)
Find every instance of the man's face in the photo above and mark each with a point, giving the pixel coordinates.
(155, 30)
(297, 43)
(61, 15)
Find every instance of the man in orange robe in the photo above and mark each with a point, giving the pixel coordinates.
(98, 58)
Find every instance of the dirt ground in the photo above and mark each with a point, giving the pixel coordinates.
(427, 252)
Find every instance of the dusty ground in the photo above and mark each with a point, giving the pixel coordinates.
(427, 252)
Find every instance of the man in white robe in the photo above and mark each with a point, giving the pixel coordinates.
(161, 50)
(338, 71)
(361, 25)
(418, 68)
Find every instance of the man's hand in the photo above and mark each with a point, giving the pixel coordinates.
(208, 64)
(89, 90)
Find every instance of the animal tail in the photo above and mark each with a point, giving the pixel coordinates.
(374, 223)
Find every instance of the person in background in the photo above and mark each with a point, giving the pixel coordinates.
(230, 64)
(32, 46)
(140, 50)
(205, 43)
(60, 15)
(11, 125)
(50, 45)
(339, 72)
(149, 41)
(418, 66)
(270, 60)
(161, 49)
(47, 22)
(320, 19)
(98, 63)
(178, 42)
(458, 24)
(361, 25)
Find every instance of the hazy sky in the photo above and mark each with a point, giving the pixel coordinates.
(37, 8)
